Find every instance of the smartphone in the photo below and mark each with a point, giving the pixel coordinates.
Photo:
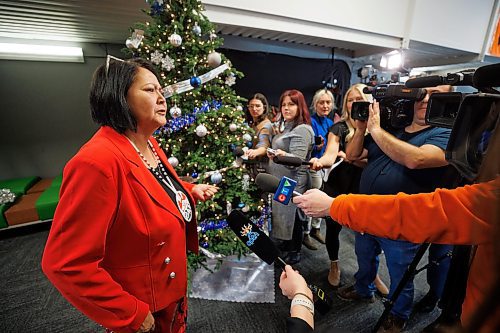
(318, 140)
(271, 151)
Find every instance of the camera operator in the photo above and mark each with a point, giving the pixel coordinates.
(411, 160)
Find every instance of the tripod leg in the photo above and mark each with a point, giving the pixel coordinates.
(409, 274)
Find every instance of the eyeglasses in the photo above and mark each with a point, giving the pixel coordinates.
(108, 58)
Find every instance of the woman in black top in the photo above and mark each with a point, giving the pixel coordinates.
(343, 178)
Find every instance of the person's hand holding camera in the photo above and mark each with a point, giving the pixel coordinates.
(373, 123)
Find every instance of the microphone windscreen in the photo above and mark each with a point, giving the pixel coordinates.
(238, 151)
(267, 182)
(253, 237)
(424, 81)
(288, 160)
(487, 76)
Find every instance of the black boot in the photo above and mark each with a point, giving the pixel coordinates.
(292, 258)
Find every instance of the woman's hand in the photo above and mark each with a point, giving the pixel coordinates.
(280, 152)
(251, 153)
(203, 192)
(148, 325)
(314, 203)
(316, 164)
(343, 156)
(291, 283)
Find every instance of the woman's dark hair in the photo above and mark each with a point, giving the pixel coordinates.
(264, 114)
(303, 116)
(108, 93)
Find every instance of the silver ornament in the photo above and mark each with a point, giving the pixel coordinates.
(201, 130)
(174, 162)
(214, 59)
(233, 127)
(175, 39)
(156, 57)
(247, 137)
(216, 178)
(197, 29)
(175, 111)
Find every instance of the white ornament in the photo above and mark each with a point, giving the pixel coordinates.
(233, 127)
(247, 137)
(245, 183)
(216, 178)
(167, 63)
(134, 41)
(214, 59)
(239, 108)
(174, 162)
(229, 207)
(245, 209)
(230, 80)
(175, 111)
(156, 57)
(201, 130)
(213, 36)
(197, 29)
(175, 39)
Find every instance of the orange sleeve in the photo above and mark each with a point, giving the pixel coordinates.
(460, 216)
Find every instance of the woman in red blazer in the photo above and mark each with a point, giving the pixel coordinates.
(118, 242)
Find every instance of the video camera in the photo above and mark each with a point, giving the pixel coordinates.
(473, 117)
(396, 104)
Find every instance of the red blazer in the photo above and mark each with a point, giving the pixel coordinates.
(117, 245)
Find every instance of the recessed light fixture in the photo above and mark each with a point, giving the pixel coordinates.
(16, 51)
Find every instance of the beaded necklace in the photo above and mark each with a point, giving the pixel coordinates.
(181, 199)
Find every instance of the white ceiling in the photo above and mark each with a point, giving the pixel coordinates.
(109, 21)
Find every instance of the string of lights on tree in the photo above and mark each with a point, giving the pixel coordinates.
(206, 121)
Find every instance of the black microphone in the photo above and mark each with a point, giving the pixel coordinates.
(254, 238)
(487, 76)
(454, 79)
(290, 160)
(260, 244)
(238, 151)
(269, 183)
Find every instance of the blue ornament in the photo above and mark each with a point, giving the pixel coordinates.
(204, 245)
(241, 205)
(194, 174)
(195, 81)
(249, 144)
(232, 146)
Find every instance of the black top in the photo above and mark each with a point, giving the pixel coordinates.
(176, 184)
(345, 177)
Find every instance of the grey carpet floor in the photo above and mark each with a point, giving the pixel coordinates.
(29, 303)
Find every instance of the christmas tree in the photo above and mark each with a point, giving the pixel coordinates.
(206, 121)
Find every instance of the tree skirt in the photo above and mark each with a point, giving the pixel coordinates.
(246, 280)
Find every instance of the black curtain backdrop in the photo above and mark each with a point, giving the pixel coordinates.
(271, 74)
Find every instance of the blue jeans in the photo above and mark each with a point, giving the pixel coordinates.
(399, 255)
(438, 269)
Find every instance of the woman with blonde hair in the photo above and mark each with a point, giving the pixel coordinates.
(344, 178)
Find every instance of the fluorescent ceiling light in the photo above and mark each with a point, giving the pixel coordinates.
(15, 51)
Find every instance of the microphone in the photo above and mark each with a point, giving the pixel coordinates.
(290, 160)
(454, 79)
(260, 244)
(269, 183)
(238, 151)
(254, 238)
(487, 76)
